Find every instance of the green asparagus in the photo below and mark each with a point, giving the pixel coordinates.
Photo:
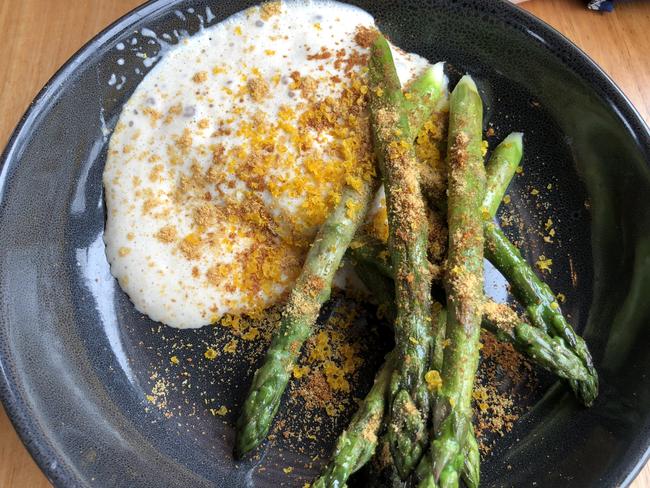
(424, 96)
(463, 284)
(544, 350)
(551, 342)
(382, 290)
(407, 243)
(421, 97)
(541, 305)
(357, 444)
(500, 169)
(269, 383)
(536, 296)
(472, 465)
(472, 458)
(555, 344)
(311, 290)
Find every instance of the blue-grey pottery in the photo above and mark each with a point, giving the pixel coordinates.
(75, 357)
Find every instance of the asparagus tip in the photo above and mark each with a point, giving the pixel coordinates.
(468, 82)
(515, 138)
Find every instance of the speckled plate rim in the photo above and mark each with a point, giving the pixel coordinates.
(39, 446)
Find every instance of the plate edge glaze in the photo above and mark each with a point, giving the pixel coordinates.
(49, 461)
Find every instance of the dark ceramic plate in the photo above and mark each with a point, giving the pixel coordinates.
(78, 362)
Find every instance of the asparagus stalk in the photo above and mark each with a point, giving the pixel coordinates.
(407, 243)
(471, 473)
(472, 458)
(463, 283)
(541, 306)
(370, 250)
(424, 96)
(271, 379)
(552, 340)
(357, 444)
(471, 469)
(542, 349)
(382, 290)
(312, 289)
(548, 352)
(471, 465)
(556, 345)
(536, 296)
(500, 169)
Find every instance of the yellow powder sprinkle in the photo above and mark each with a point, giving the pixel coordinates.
(549, 186)
(534, 191)
(561, 297)
(351, 209)
(506, 199)
(200, 77)
(269, 9)
(484, 148)
(544, 264)
(519, 170)
(251, 334)
(433, 379)
(287, 470)
(355, 182)
(231, 347)
(300, 371)
(380, 224)
(330, 410)
(237, 30)
(480, 394)
(269, 52)
(124, 251)
(222, 410)
(174, 360)
(210, 353)
(166, 234)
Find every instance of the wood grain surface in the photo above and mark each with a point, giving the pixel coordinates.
(40, 35)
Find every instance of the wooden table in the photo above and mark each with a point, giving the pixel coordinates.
(39, 35)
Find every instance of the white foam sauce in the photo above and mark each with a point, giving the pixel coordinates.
(171, 128)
